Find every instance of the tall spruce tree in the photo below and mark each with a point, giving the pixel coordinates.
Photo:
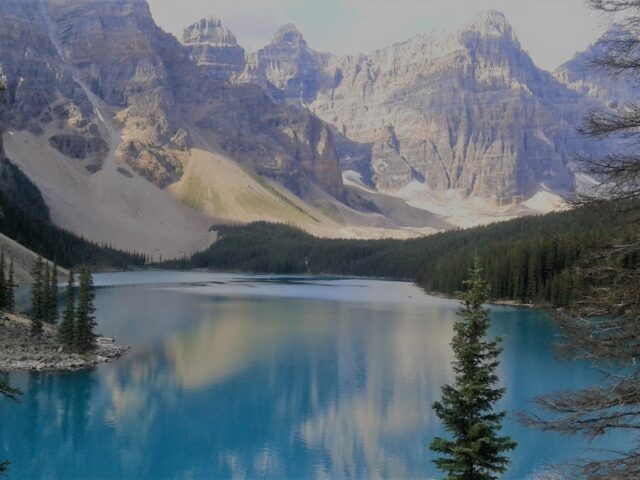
(11, 284)
(46, 293)
(67, 329)
(467, 408)
(36, 297)
(4, 288)
(85, 338)
(52, 295)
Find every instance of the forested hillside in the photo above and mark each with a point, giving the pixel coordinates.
(25, 218)
(525, 260)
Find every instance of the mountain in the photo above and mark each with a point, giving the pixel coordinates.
(144, 142)
(287, 68)
(466, 110)
(582, 76)
(135, 142)
(214, 48)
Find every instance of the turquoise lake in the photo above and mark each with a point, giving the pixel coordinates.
(242, 376)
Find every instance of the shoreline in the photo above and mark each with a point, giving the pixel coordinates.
(20, 352)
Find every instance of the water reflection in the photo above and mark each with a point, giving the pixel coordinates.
(225, 385)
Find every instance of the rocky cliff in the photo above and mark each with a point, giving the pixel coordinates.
(287, 68)
(117, 122)
(102, 68)
(596, 83)
(465, 110)
(102, 107)
(214, 49)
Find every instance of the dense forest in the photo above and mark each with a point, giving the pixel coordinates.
(25, 219)
(525, 260)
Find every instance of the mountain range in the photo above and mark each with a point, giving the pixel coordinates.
(144, 141)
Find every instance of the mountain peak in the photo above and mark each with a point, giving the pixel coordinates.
(288, 35)
(208, 30)
(491, 23)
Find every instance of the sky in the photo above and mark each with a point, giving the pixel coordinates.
(552, 31)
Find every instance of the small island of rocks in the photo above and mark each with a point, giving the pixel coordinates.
(47, 340)
(19, 350)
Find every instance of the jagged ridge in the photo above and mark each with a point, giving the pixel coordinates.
(465, 110)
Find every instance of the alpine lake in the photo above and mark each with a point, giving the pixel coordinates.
(236, 376)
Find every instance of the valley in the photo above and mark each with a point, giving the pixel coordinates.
(145, 144)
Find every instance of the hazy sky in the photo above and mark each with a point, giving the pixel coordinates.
(551, 30)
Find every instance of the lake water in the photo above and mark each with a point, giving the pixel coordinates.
(237, 376)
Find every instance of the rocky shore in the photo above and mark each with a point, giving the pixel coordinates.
(19, 351)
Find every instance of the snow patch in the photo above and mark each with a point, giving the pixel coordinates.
(354, 179)
(465, 212)
(586, 184)
(545, 201)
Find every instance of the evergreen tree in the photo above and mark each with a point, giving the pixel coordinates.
(476, 452)
(3, 283)
(52, 296)
(85, 338)
(46, 294)
(11, 285)
(36, 297)
(601, 318)
(5, 389)
(66, 331)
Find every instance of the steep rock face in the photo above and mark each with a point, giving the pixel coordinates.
(594, 82)
(214, 49)
(102, 72)
(161, 91)
(466, 110)
(126, 61)
(31, 68)
(287, 68)
(289, 145)
(79, 147)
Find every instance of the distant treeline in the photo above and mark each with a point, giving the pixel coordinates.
(525, 260)
(24, 217)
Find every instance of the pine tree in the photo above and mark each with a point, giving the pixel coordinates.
(85, 338)
(3, 283)
(11, 285)
(52, 295)
(66, 331)
(46, 294)
(476, 452)
(36, 297)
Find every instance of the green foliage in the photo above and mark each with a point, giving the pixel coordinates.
(10, 304)
(51, 295)
(7, 285)
(16, 185)
(44, 295)
(85, 338)
(37, 297)
(4, 283)
(25, 219)
(67, 328)
(476, 451)
(525, 260)
(76, 329)
(46, 239)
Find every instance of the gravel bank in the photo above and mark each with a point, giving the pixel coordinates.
(19, 351)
